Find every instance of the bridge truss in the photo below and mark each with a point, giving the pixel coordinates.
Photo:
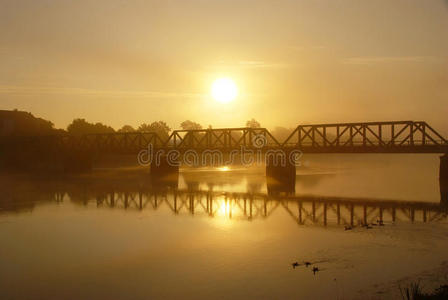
(372, 137)
(403, 136)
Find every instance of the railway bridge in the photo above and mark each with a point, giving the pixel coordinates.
(367, 137)
(370, 137)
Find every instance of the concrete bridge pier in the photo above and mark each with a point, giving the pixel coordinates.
(164, 173)
(280, 175)
(443, 179)
(443, 175)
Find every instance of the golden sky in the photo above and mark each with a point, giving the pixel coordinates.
(304, 61)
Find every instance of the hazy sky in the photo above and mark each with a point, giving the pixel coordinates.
(303, 61)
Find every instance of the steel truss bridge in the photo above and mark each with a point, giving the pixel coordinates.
(371, 137)
(304, 210)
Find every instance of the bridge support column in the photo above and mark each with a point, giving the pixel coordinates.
(443, 179)
(443, 175)
(164, 173)
(280, 174)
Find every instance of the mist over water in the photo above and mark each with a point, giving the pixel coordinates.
(218, 232)
(412, 177)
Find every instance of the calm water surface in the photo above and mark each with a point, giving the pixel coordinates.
(217, 233)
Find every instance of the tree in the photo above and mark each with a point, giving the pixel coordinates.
(126, 128)
(81, 126)
(190, 125)
(24, 123)
(144, 127)
(281, 133)
(101, 128)
(159, 127)
(253, 123)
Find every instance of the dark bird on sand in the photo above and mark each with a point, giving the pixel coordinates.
(367, 226)
(315, 269)
(307, 264)
(295, 264)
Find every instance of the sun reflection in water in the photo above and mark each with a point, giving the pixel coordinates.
(224, 209)
(222, 214)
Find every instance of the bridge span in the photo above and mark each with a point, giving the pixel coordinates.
(372, 137)
(369, 137)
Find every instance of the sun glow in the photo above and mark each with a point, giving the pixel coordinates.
(224, 90)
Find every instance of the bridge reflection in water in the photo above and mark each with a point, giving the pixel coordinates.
(305, 210)
(141, 193)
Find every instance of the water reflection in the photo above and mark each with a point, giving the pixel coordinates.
(148, 195)
(246, 206)
(131, 232)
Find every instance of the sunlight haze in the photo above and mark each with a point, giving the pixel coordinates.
(128, 62)
(223, 149)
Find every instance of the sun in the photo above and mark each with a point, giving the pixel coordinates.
(224, 90)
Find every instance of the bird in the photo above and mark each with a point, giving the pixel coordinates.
(295, 264)
(307, 264)
(348, 227)
(367, 226)
(315, 269)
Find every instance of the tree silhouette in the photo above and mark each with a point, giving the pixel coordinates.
(24, 123)
(126, 128)
(281, 133)
(81, 126)
(159, 127)
(190, 125)
(253, 123)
